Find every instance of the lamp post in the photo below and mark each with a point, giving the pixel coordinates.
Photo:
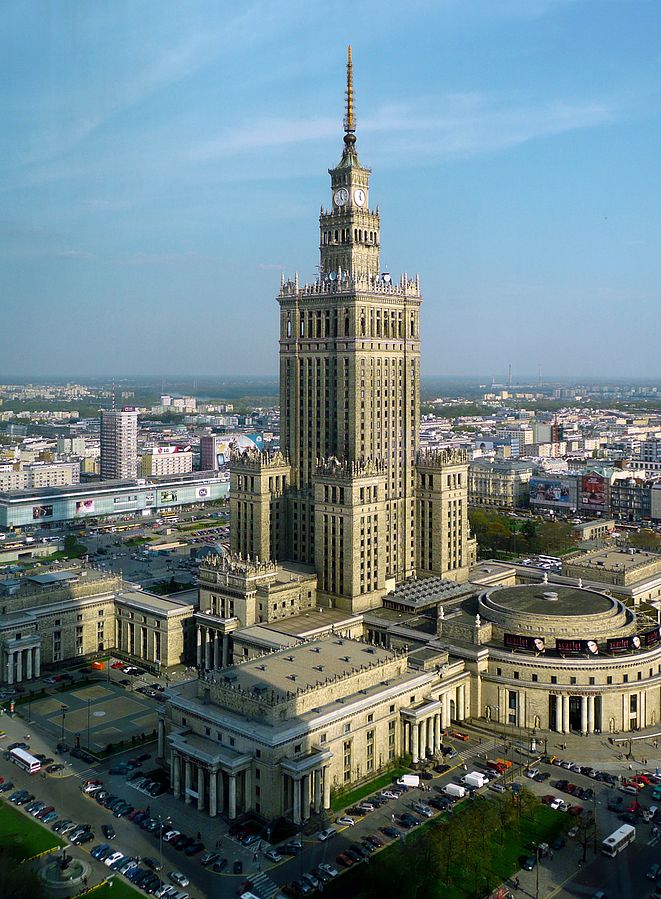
(63, 709)
(89, 702)
(161, 823)
(537, 872)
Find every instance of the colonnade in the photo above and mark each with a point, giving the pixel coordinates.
(213, 789)
(310, 792)
(423, 731)
(22, 663)
(212, 647)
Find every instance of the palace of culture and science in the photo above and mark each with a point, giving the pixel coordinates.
(351, 496)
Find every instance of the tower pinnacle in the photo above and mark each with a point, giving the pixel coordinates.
(349, 119)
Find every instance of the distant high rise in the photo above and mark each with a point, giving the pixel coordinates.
(119, 443)
(351, 494)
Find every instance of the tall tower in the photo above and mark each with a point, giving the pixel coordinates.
(350, 384)
(119, 443)
(342, 497)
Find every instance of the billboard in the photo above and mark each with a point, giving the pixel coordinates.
(593, 490)
(168, 496)
(41, 512)
(150, 498)
(202, 493)
(520, 641)
(236, 443)
(169, 450)
(586, 647)
(651, 638)
(551, 490)
(85, 507)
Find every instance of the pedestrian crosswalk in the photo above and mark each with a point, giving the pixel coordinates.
(483, 750)
(263, 886)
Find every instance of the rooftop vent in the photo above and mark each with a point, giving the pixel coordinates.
(261, 667)
(291, 676)
(345, 658)
(551, 595)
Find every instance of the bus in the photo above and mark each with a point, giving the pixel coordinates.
(618, 840)
(24, 760)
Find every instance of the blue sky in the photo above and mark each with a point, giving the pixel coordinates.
(162, 162)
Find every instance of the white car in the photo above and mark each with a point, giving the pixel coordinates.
(170, 835)
(345, 821)
(273, 855)
(388, 794)
(115, 857)
(180, 879)
(329, 869)
(326, 834)
(555, 805)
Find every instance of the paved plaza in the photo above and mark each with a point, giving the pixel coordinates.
(104, 713)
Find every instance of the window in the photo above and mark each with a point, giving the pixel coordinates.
(207, 731)
(411, 698)
(591, 682)
(554, 679)
(258, 753)
(392, 709)
(534, 678)
(347, 727)
(499, 672)
(572, 680)
(322, 738)
(297, 748)
(231, 741)
(347, 760)
(370, 718)
(609, 679)
(516, 675)
(625, 678)
(258, 773)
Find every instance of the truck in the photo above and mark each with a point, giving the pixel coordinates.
(475, 779)
(455, 791)
(500, 766)
(409, 780)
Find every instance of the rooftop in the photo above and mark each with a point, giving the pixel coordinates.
(615, 559)
(550, 599)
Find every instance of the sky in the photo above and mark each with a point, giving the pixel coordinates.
(161, 163)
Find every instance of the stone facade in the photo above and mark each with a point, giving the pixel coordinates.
(498, 485)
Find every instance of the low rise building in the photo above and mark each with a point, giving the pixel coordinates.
(499, 485)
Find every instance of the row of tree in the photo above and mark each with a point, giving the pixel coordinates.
(497, 533)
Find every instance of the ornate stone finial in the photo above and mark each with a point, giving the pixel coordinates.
(580, 583)
(545, 579)
(349, 119)
(441, 612)
(478, 620)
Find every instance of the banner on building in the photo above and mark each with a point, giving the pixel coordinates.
(202, 493)
(85, 507)
(585, 647)
(521, 641)
(593, 490)
(41, 512)
(556, 490)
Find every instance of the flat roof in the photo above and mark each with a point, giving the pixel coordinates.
(53, 577)
(305, 666)
(550, 599)
(312, 620)
(151, 601)
(614, 559)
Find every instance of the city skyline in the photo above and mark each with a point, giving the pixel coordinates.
(160, 171)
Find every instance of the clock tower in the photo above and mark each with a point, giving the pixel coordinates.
(349, 231)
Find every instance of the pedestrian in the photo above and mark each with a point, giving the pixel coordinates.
(551, 854)
(630, 767)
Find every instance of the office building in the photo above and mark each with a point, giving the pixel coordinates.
(119, 443)
(161, 461)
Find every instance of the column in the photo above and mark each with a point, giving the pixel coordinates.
(317, 790)
(297, 800)
(10, 667)
(430, 734)
(215, 649)
(305, 789)
(446, 710)
(460, 703)
(232, 797)
(37, 661)
(200, 788)
(161, 738)
(198, 637)
(414, 740)
(642, 704)
(247, 789)
(176, 775)
(19, 666)
(590, 714)
(327, 786)
(187, 782)
(437, 729)
(226, 646)
(213, 793)
(221, 790)
(565, 714)
(584, 714)
(28, 659)
(207, 649)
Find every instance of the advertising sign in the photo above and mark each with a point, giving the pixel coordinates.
(651, 638)
(85, 507)
(520, 641)
(550, 491)
(169, 450)
(587, 647)
(623, 644)
(42, 512)
(168, 496)
(201, 492)
(593, 490)
(150, 498)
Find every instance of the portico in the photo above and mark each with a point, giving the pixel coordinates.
(306, 784)
(21, 659)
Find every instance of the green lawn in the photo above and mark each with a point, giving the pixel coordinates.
(22, 837)
(344, 800)
(114, 888)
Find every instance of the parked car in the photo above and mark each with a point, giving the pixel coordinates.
(179, 878)
(345, 821)
(327, 834)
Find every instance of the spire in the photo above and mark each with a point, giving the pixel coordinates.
(349, 119)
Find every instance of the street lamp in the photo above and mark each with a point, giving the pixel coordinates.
(63, 709)
(161, 823)
(89, 701)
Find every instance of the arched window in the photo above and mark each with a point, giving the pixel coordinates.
(355, 233)
(336, 235)
(412, 326)
(288, 326)
(346, 324)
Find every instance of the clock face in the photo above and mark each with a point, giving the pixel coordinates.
(359, 196)
(341, 196)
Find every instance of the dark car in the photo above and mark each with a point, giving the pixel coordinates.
(220, 865)
(441, 769)
(237, 867)
(195, 847)
(558, 843)
(152, 863)
(84, 837)
(354, 854)
(529, 863)
(6, 786)
(426, 775)
(108, 831)
(391, 832)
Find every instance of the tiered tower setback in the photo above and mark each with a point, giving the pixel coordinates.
(350, 410)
